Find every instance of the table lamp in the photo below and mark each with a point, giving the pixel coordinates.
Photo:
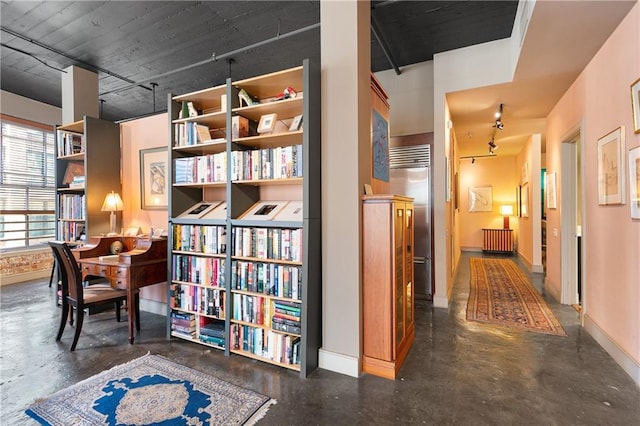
(506, 211)
(112, 203)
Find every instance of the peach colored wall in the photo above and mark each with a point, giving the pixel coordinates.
(143, 133)
(497, 172)
(599, 99)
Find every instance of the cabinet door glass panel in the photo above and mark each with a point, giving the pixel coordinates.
(398, 246)
(409, 266)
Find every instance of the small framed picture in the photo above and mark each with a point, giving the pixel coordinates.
(635, 105)
(611, 168)
(296, 123)
(267, 123)
(634, 182)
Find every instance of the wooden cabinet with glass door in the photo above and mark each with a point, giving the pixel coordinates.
(388, 296)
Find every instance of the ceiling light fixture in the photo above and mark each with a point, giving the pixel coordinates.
(499, 124)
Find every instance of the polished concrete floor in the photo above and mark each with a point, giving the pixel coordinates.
(456, 373)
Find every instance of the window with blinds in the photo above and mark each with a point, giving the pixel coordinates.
(27, 186)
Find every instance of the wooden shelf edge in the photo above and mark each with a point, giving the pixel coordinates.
(251, 355)
(196, 340)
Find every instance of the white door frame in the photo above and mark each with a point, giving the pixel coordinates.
(572, 182)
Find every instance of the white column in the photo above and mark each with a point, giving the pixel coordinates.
(79, 94)
(346, 109)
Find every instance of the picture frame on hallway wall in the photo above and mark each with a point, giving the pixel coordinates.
(551, 191)
(524, 200)
(480, 199)
(634, 182)
(153, 178)
(611, 168)
(635, 105)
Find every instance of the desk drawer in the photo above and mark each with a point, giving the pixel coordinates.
(119, 276)
(97, 270)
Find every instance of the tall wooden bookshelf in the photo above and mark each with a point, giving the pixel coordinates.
(245, 283)
(90, 148)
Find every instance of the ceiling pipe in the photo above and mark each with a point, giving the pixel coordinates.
(66, 55)
(383, 44)
(215, 57)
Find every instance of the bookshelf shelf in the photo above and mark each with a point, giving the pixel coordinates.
(267, 360)
(72, 157)
(265, 182)
(287, 108)
(271, 140)
(293, 285)
(198, 341)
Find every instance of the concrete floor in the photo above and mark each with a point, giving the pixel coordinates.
(456, 373)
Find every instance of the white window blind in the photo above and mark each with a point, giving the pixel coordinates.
(27, 185)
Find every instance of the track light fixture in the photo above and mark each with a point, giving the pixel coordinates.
(499, 124)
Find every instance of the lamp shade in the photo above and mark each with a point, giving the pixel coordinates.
(112, 203)
(506, 210)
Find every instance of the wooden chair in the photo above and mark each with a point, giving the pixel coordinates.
(79, 297)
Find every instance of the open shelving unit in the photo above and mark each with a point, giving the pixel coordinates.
(271, 323)
(91, 148)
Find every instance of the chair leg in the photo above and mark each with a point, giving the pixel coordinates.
(63, 320)
(137, 308)
(71, 316)
(117, 304)
(79, 319)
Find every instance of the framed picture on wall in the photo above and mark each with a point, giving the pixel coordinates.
(611, 168)
(380, 147)
(635, 105)
(551, 190)
(153, 178)
(480, 199)
(634, 182)
(524, 200)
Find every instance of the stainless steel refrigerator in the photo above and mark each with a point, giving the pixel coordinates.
(410, 175)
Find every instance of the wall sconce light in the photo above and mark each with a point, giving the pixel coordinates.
(506, 211)
(112, 203)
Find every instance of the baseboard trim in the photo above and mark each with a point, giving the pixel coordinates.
(339, 363)
(551, 291)
(153, 307)
(26, 276)
(628, 364)
(440, 302)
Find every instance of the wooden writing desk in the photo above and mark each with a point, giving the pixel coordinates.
(143, 262)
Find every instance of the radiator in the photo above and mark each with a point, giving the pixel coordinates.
(497, 240)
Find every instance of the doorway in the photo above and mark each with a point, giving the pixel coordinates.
(572, 234)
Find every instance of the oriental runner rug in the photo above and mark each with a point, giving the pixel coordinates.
(501, 294)
(151, 390)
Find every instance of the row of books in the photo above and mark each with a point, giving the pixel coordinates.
(190, 133)
(268, 163)
(207, 271)
(268, 344)
(69, 143)
(268, 243)
(200, 238)
(201, 169)
(202, 300)
(271, 279)
(72, 206)
(71, 231)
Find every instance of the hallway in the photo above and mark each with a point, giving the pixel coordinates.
(456, 373)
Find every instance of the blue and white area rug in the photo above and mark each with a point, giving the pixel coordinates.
(151, 390)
